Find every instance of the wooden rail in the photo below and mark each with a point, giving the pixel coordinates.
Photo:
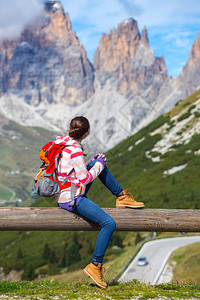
(57, 219)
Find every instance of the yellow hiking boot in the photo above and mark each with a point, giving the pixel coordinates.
(125, 199)
(95, 272)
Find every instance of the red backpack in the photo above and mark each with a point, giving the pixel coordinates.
(45, 183)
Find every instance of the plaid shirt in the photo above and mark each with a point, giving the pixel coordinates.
(73, 158)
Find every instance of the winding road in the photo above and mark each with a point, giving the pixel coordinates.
(157, 253)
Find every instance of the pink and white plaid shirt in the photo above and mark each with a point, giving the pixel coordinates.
(73, 158)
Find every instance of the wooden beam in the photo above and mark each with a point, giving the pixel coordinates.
(57, 219)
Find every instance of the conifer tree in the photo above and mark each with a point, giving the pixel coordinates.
(46, 251)
(72, 254)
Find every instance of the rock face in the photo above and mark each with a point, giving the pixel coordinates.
(124, 62)
(125, 56)
(117, 47)
(189, 80)
(47, 64)
(46, 78)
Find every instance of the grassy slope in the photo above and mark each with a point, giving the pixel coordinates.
(32, 245)
(130, 167)
(187, 264)
(145, 179)
(134, 290)
(19, 147)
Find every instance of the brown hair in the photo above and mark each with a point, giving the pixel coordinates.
(78, 127)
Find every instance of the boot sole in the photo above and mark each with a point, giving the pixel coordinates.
(129, 206)
(89, 275)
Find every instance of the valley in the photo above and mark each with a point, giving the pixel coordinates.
(159, 183)
(146, 122)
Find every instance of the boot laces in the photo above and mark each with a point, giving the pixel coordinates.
(129, 195)
(101, 269)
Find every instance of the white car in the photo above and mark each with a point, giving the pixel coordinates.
(142, 261)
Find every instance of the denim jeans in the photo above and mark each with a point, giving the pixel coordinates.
(93, 212)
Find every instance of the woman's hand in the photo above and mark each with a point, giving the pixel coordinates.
(99, 155)
(101, 158)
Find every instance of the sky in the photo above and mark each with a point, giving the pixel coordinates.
(172, 25)
(16, 14)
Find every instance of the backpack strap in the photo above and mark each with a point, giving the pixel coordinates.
(39, 180)
(56, 162)
(72, 188)
(66, 178)
(72, 195)
(48, 149)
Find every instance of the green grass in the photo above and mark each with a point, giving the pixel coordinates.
(145, 179)
(185, 103)
(187, 264)
(133, 290)
(5, 194)
(132, 169)
(32, 244)
(19, 151)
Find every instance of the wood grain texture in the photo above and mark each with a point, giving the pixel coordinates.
(57, 219)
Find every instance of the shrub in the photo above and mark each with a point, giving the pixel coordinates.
(43, 270)
(186, 104)
(138, 238)
(19, 253)
(197, 114)
(29, 272)
(179, 101)
(191, 108)
(171, 124)
(72, 254)
(116, 240)
(184, 116)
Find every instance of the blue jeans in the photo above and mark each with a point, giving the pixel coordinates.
(93, 212)
(107, 179)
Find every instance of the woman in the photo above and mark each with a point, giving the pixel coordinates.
(81, 178)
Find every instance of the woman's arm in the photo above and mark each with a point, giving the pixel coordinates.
(81, 172)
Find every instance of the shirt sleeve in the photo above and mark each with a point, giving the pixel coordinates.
(81, 173)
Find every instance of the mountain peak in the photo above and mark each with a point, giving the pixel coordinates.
(128, 23)
(126, 56)
(68, 22)
(53, 5)
(144, 37)
(128, 28)
(195, 51)
(189, 78)
(47, 64)
(119, 44)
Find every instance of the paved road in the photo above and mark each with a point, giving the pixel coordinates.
(157, 253)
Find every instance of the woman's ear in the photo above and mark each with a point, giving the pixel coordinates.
(84, 136)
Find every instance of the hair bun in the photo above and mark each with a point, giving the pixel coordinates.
(78, 127)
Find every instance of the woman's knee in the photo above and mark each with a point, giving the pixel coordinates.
(91, 164)
(111, 224)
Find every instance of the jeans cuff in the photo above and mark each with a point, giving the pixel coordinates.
(115, 193)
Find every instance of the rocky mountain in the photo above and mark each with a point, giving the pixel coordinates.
(125, 55)
(47, 64)
(46, 79)
(189, 80)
